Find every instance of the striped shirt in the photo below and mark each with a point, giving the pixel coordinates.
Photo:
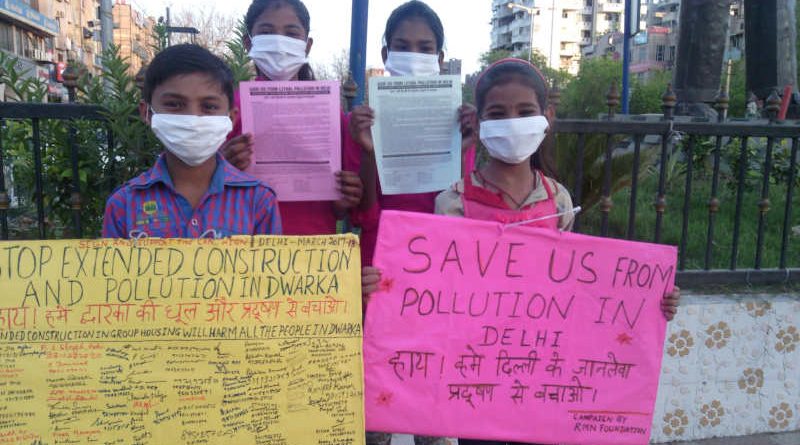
(235, 204)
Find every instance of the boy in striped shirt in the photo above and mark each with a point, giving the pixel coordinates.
(191, 191)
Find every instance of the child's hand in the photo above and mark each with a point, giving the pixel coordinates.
(239, 151)
(370, 278)
(361, 120)
(352, 190)
(468, 119)
(669, 304)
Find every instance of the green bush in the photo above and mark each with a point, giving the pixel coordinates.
(108, 153)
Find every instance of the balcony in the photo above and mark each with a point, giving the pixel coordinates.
(618, 8)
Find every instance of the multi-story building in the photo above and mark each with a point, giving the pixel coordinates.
(79, 36)
(552, 24)
(452, 66)
(133, 34)
(27, 33)
(735, 47)
(655, 48)
(562, 29)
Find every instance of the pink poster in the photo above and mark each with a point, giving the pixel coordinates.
(297, 137)
(517, 334)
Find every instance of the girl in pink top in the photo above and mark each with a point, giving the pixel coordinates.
(413, 42)
(511, 98)
(279, 44)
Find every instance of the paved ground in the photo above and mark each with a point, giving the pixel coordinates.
(759, 439)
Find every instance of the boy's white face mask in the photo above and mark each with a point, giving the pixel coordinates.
(193, 139)
(412, 64)
(278, 57)
(515, 140)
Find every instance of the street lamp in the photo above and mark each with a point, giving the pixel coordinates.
(532, 12)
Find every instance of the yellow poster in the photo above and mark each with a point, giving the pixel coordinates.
(251, 340)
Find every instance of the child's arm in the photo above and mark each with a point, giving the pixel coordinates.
(352, 189)
(238, 151)
(114, 216)
(268, 217)
(670, 302)
(361, 120)
(370, 278)
(468, 120)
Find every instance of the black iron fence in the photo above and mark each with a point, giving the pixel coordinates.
(633, 136)
(679, 138)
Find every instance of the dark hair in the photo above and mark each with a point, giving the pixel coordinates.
(411, 10)
(187, 59)
(522, 72)
(259, 6)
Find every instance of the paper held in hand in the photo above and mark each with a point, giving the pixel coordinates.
(416, 133)
(296, 128)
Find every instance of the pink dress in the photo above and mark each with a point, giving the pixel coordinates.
(480, 203)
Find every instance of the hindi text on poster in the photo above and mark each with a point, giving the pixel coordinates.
(242, 340)
(514, 334)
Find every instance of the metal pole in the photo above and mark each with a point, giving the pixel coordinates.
(531, 36)
(358, 47)
(106, 24)
(169, 40)
(626, 58)
(552, 31)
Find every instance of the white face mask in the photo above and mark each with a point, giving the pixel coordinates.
(278, 57)
(193, 139)
(513, 140)
(412, 64)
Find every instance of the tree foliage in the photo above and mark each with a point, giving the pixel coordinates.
(585, 95)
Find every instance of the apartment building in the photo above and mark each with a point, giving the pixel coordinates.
(28, 34)
(133, 34)
(562, 29)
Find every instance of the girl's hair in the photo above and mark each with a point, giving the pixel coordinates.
(412, 10)
(524, 73)
(259, 6)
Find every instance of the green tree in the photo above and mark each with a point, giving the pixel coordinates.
(561, 77)
(237, 57)
(159, 36)
(738, 93)
(646, 94)
(585, 95)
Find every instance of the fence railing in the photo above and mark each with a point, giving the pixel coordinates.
(632, 135)
(622, 132)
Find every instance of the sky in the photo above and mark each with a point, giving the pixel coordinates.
(466, 25)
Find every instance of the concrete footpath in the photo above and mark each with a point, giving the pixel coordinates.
(792, 438)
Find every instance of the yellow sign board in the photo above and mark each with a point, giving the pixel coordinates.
(247, 340)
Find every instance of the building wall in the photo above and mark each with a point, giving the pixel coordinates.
(557, 30)
(79, 36)
(575, 25)
(133, 34)
(731, 368)
(27, 34)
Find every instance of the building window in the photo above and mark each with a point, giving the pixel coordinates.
(586, 34)
(589, 3)
(660, 49)
(565, 15)
(672, 53)
(563, 46)
(6, 37)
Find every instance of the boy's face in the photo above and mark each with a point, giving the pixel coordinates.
(195, 94)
